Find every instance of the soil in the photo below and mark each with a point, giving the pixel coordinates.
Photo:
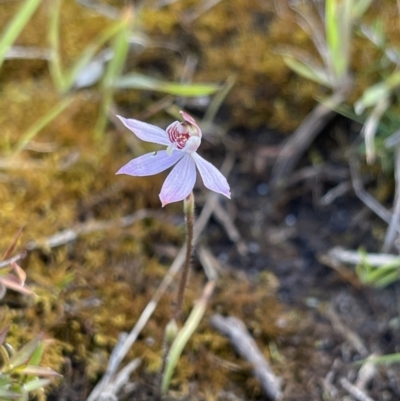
(342, 321)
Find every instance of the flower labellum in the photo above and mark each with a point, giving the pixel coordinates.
(182, 140)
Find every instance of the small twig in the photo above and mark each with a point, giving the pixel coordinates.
(121, 379)
(302, 138)
(350, 336)
(112, 363)
(329, 388)
(16, 258)
(27, 52)
(210, 264)
(320, 172)
(366, 373)
(233, 233)
(354, 258)
(392, 231)
(71, 234)
(65, 236)
(245, 345)
(346, 273)
(354, 391)
(335, 193)
(365, 197)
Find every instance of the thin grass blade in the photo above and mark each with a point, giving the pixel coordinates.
(37, 355)
(114, 68)
(184, 335)
(8, 393)
(308, 71)
(3, 333)
(89, 53)
(54, 44)
(377, 92)
(16, 25)
(338, 33)
(39, 371)
(41, 123)
(25, 353)
(143, 82)
(13, 244)
(390, 358)
(36, 384)
(359, 8)
(371, 126)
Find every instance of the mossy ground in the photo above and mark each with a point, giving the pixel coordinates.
(92, 289)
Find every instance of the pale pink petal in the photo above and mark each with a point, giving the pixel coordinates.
(180, 181)
(212, 178)
(188, 118)
(146, 132)
(151, 163)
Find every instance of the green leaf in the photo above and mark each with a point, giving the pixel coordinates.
(36, 384)
(371, 97)
(374, 94)
(5, 381)
(25, 353)
(393, 81)
(375, 33)
(338, 34)
(332, 27)
(16, 25)
(39, 371)
(143, 82)
(4, 355)
(390, 358)
(53, 37)
(184, 335)
(65, 81)
(37, 354)
(7, 393)
(306, 70)
(371, 126)
(359, 7)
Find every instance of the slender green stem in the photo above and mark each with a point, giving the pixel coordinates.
(16, 25)
(184, 335)
(171, 330)
(189, 217)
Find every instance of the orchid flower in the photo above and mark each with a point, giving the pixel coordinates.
(182, 140)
